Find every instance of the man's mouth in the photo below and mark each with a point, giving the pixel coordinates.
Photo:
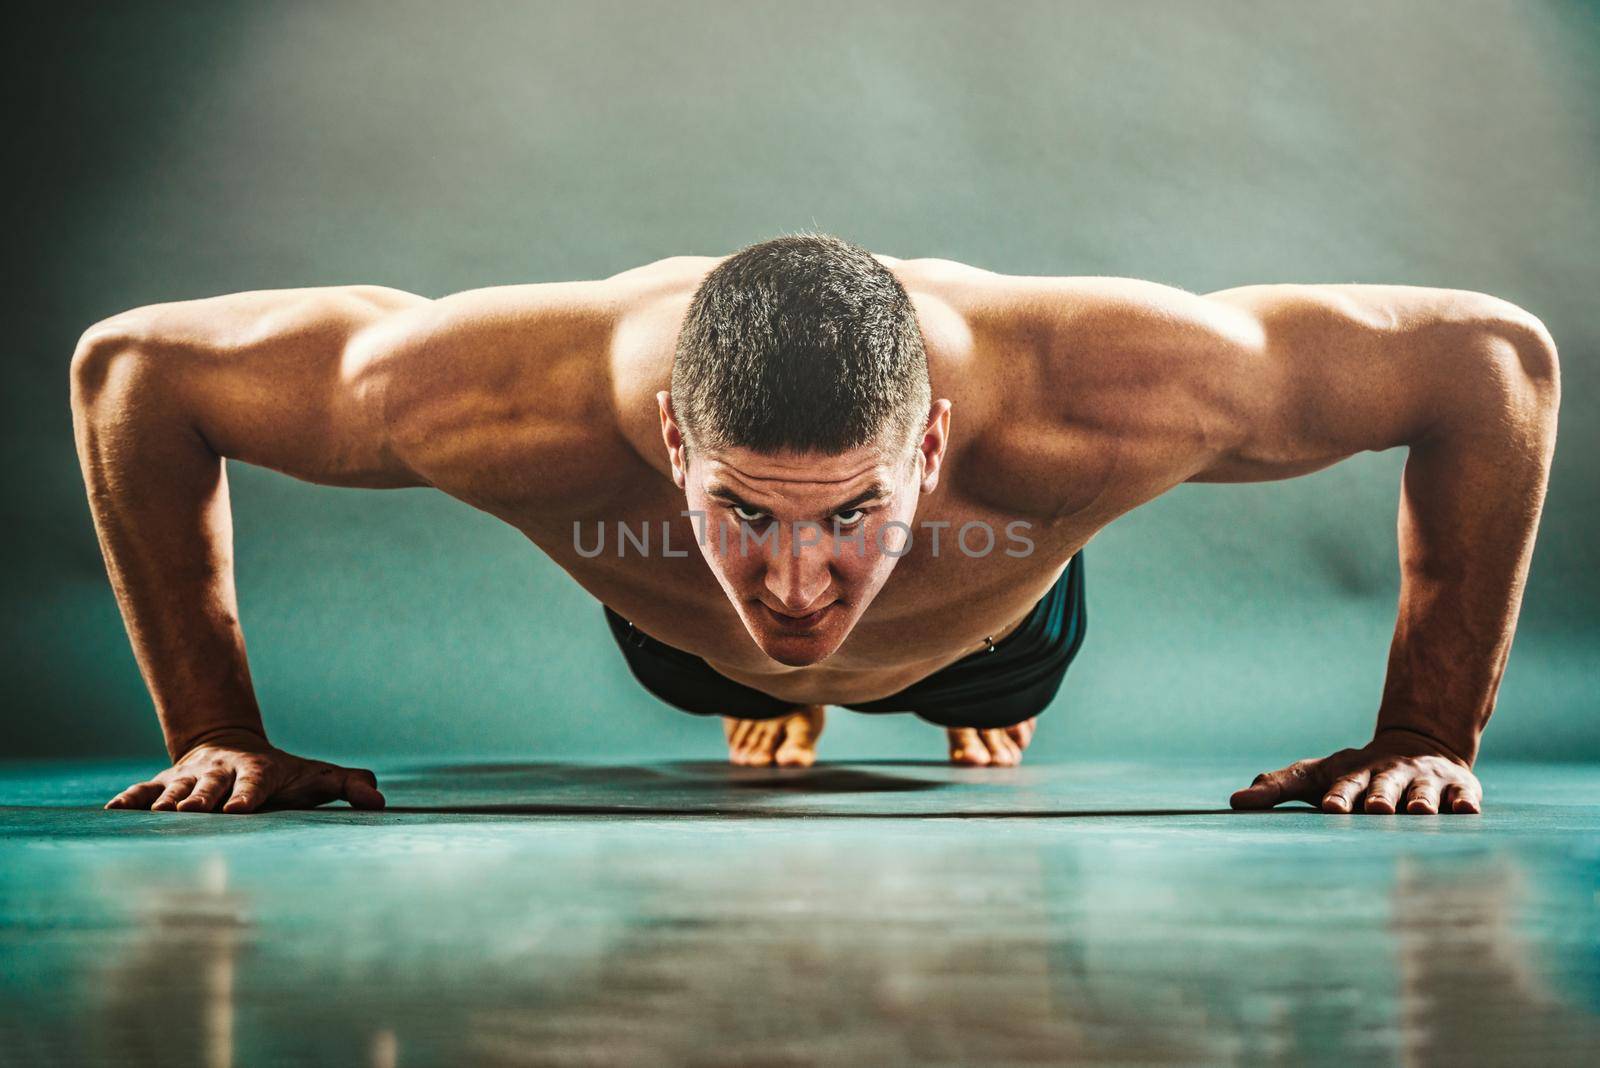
(801, 622)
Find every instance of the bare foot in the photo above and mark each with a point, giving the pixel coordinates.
(1002, 747)
(788, 742)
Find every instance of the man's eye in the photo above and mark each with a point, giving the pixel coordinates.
(748, 515)
(850, 518)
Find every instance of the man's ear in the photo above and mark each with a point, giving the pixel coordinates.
(672, 436)
(934, 438)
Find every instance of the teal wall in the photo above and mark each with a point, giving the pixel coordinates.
(164, 152)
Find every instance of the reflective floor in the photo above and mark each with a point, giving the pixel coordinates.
(877, 914)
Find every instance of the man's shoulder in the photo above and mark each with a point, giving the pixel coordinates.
(1066, 343)
(1088, 313)
(1082, 393)
(526, 328)
(503, 346)
(510, 393)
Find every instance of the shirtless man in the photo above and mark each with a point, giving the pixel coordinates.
(811, 417)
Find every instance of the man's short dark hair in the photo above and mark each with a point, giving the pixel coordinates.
(803, 343)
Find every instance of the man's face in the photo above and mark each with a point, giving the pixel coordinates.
(802, 543)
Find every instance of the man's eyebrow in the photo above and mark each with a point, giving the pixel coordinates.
(873, 491)
(722, 493)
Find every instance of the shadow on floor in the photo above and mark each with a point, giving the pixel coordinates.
(686, 775)
(716, 789)
(663, 812)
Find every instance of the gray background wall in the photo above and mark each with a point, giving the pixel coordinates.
(161, 152)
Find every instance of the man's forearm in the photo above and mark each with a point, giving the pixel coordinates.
(159, 497)
(1470, 503)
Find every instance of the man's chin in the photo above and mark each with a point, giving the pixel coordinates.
(792, 652)
(798, 648)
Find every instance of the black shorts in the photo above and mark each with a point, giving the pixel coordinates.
(996, 687)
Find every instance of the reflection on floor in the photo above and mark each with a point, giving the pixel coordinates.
(884, 914)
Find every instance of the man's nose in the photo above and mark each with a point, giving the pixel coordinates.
(797, 569)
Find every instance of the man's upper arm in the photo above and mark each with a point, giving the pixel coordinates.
(1263, 382)
(361, 386)
(1326, 371)
(503, 396)
(284, 379)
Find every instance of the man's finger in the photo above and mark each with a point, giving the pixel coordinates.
(1261, 793)
(212, 787)
(248, 793)
(1422, 796)
(1383, 796)
(361, 789)
(139, 795)
(1297, 782)
(1461, 797)
(1341, 796)
(177, 789)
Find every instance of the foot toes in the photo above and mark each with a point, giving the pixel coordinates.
(1002, 750)
(967, 748)
(1022, 733)
(789, 742)
(793, 756)
(758, 744)
(798, 748)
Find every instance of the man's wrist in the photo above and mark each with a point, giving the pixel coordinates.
(1455, 750)
(233, 735)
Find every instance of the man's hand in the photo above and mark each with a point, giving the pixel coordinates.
(1398, 771)
(242, 771)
